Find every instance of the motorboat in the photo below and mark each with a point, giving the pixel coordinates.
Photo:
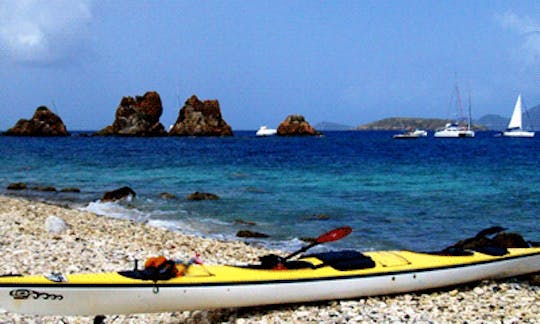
(265, 131)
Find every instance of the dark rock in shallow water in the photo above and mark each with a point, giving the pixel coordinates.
(318, 217)
(200, 118)
(44, 188)
(296, 125)
(309, 239)
(118, 194)
(137, 116)
(76, 190)
(166, 195)
(43, 123)
(17, 186)
(250, 234)
(202, 196)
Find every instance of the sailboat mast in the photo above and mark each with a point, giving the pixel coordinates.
(470, 113)
(459, 104)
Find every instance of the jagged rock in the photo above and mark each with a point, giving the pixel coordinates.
(200, 118)
(55, 225)
(202, 196)
(295, 125)
(137, 116)
(118, 194)
(251, 234)
(17, 186)
(43, 123)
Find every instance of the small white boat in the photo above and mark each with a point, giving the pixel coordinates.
(420, 132)
(265, 131)
(417, 133)
(453, 130)
(515, 128)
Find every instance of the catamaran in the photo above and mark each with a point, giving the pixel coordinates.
(515, 128)
(457, 130)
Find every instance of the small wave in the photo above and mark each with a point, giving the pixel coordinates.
(115, 210)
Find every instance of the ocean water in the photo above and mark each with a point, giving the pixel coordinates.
(420, 194)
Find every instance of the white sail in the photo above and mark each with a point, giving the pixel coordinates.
(515, 121)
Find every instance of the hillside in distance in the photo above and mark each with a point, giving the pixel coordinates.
(329, 126)
(531, 120)
(401, 123)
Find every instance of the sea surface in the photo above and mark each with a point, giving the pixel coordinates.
(421, 194)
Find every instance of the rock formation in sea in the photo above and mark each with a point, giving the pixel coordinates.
(137, 116)
(295, 125)
(43, 123)
(118, 194)
(202, 196)
(200, 118)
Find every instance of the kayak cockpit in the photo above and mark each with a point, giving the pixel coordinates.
(340, 260)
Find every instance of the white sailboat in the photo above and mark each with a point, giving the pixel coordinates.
(455, 130)
(515, 128)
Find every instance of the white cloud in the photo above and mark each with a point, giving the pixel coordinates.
(43, 32)
(528, 31)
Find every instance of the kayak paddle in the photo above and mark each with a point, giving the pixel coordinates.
(333, 235)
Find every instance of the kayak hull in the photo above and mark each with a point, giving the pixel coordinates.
(228, 286)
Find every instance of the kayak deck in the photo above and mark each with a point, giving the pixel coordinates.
(386, 262)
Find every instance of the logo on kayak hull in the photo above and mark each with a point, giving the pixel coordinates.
(21, 294)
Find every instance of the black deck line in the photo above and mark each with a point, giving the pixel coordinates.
(148, 283)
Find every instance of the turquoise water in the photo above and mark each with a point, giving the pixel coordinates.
(421, 194)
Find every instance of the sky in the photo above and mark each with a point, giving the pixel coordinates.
(348, 62)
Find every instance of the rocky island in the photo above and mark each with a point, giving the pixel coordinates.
(200, 118)
(296, 125)
(43, 123)
(137, 116)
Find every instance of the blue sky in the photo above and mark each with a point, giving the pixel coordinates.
(349, 62)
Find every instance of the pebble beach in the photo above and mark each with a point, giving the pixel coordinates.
(92, 243)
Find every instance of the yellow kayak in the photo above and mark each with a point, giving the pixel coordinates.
(165, 286)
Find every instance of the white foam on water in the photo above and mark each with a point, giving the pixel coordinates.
(115, 210)
(204, 226)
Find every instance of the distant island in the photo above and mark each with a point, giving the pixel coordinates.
(401, 123)
(531, 120)
(329, 126)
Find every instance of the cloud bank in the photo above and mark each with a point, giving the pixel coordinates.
(528, 30)
(43, 32)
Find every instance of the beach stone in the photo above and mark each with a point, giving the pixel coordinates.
(43, 123)
(200, 118)
(251, 234)
(202, 196)
(295, 125)
(118, 194)
(17, 186)
(479, 291)
(55, 225)
(137, 116)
